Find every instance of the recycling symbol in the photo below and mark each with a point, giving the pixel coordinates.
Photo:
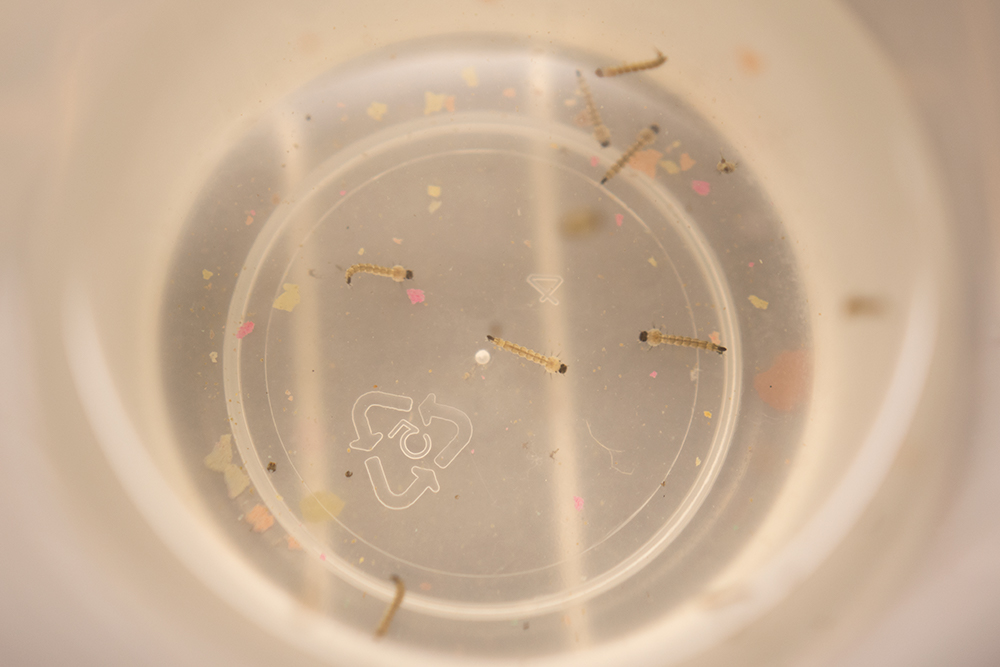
(413, 447)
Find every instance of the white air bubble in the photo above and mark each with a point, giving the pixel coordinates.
(483, 357)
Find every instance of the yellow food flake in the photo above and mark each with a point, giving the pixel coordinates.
(434, 190)
(670, 167)
(376, 110)
(469, 74)
(652, 261)
(433, 102)
(321, 506)
(236, 480)
(206, 274)
(757, 302)
(289, 299)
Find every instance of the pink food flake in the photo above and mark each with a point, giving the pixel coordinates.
(244, 329)
(343, 192)
(701, 187)
(619, 219)
(653, 374)
(578, 503)
(750, 265)
(714, 337)
(416, 295)
(322, 556)
(594, 161)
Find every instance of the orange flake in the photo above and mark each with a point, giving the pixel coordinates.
(249, 220)
(293, 544)
(686, 162)
(645, 161)
(509, 92)
(259, 518)
(749, 61)
(449, 103)
(786, 383)
(424, 586)
(397, 241)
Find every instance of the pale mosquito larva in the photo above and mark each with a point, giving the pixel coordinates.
(551, 364)
(632, 67)
(383, 625)
(725, 166)
(397, 273)
(645, 138)
(655, 337)
(601, 131)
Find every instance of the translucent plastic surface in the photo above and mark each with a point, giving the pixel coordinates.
(363, 413)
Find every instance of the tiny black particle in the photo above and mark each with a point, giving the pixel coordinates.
(348, 473)
(272, 466)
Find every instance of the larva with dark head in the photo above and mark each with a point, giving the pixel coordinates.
(632, 67)
(645, 138)
(383, 625)
(551, 364)
(397, 273)
(601, 131)
(655, 337)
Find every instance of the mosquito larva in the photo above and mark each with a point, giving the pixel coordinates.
(397, 273)
(383, 625)
(601, 131)
(725, 166)
(551, 364)
(655, 337)
(645, 138)
(632, 67)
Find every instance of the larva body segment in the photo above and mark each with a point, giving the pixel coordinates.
(601, 131)
(645, 138)
(655, 337)
(551, 364)
(397, 273)
(632, 67)
(383, 625)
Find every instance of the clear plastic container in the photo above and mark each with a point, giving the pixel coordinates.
(297, 441)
